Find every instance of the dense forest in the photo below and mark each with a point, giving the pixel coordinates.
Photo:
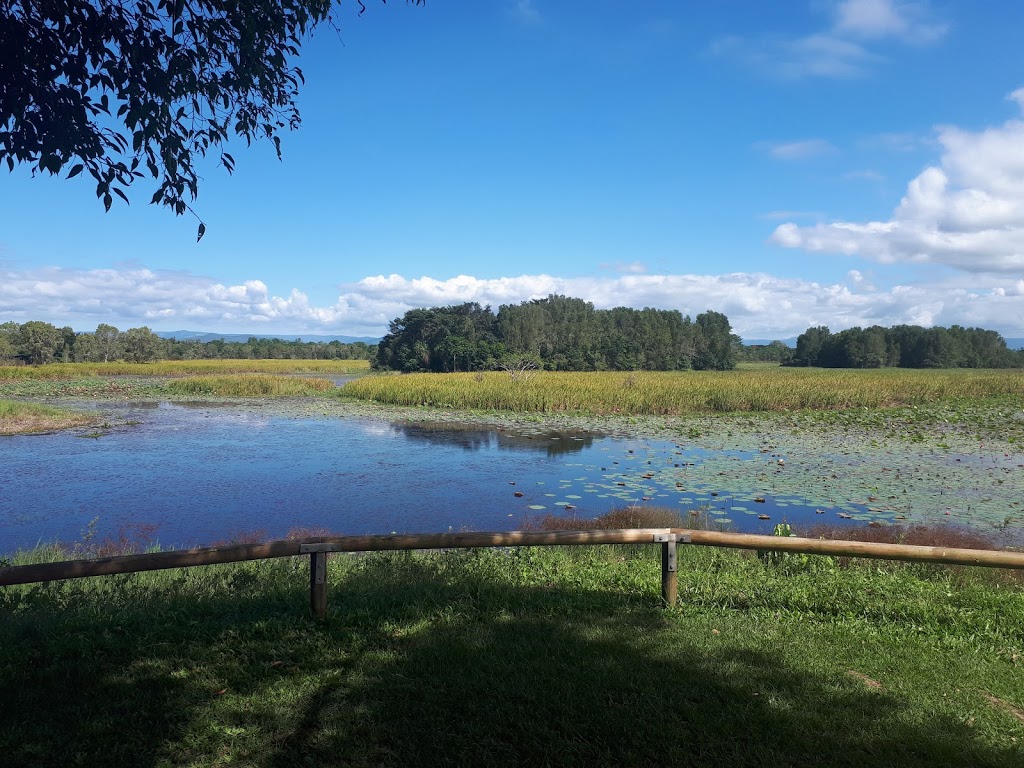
(37, 343)
(904, 346)
(556, 333)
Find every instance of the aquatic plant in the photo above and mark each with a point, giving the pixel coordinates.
(23, 418)
(250, 385)
(641, 393)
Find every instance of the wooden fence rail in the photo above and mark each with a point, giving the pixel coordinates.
(318, 548)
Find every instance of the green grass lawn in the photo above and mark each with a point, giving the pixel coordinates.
(533, 656)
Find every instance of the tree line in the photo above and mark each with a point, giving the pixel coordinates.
(39, 343)
(556, 333)
(904, 346)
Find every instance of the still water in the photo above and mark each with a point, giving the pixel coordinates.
(196, 475)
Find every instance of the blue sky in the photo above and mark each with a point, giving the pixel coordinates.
(843, 162)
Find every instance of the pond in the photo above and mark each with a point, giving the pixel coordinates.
(197, 474)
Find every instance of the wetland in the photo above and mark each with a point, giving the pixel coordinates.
(171, 462)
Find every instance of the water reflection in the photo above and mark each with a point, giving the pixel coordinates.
(473, 437)
(202, 472)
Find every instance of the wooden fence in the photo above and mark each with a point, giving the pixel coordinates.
(318, 548)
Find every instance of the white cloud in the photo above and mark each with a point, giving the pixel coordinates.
(817, 55)
(777, 215)
(877, 19)
(865, 174)
(758, 305)
(797, 150)
(966, 213)
(841, 49)
(623, 267)
(525, 11)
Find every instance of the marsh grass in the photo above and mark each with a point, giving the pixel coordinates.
(641, 393)
(18, 418)
(512, 657)
(250, 385)
(181, 368)
(631, 516)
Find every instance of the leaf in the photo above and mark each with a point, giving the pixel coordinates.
(76, 170)
(121, 194)
(202, 231)
(107, 200)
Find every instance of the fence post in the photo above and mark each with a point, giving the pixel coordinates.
(318, 584)
(669, 585)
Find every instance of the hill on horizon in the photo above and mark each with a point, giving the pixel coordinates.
(206, 336)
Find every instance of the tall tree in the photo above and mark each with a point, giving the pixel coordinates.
(141, 345)
(112, 87)
(40, 342)
(715, 349)
(108, 343)
(809, 345)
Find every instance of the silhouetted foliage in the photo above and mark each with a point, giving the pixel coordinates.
(112, 87)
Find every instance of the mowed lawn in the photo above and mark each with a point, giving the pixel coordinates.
(518, 657)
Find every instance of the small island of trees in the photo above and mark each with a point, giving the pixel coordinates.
(557, 333)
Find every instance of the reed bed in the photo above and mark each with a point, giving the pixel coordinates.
(250, 385)
(18, 418)
(775, 389)
(181, 368)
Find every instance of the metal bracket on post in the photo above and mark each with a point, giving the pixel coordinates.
(669, 586)
(308, 549)
(318, 583)
(668, 545)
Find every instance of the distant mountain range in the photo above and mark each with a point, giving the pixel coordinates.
(204, 336)
(790, 342)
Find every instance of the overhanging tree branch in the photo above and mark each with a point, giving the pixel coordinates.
(124, 88)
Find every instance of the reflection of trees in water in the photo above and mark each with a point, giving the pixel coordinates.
(472, 437)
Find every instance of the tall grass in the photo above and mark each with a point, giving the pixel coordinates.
(250, 385)
(181, 368)
(767, 389)
(18, 418)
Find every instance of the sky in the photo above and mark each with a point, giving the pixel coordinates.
(799, 163)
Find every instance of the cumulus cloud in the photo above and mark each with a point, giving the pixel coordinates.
(966, 213)
(758, 305)
(843, 48)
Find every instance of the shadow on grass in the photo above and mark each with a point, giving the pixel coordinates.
(432, 663)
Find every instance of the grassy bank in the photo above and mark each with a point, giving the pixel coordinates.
(533, 656)
(17, 418)
(181, 368)
(771, 389)
(250, 385)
